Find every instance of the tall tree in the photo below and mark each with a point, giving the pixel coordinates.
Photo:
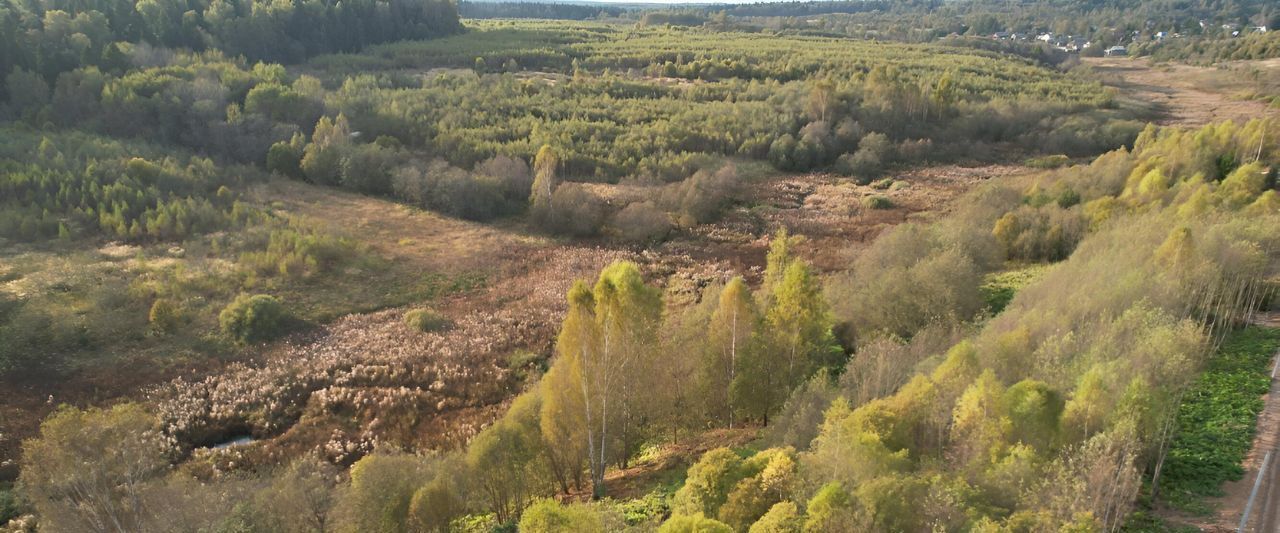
(545, 165)
(563, 408)
(799, 325)
(729, 336)
(607, 340)
(776, 262)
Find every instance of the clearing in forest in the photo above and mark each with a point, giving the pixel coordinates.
(1189, 95)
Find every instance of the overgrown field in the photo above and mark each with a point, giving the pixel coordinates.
(623, 100)
(1217, 419)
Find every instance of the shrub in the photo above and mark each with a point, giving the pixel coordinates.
(702, 197)
(513, 173)
(694, 524)
(642, 222)
(284, 159)
(874, 150)
(425, 320)
(165, 317)
(548, 516)
(710, 481)
(877, 202)
(575, 211)
(1048, 161)
(456, 192)
(253, 318)
(8, 505)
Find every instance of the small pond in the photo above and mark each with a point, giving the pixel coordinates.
(233, 442)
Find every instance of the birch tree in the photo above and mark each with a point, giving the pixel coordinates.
(545, 164)
(604, 349)
(729, 336)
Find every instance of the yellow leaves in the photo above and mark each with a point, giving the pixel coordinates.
(1089, 406)
(1243, 185)
(1007, 229)
(980, 425)
(1197, 203)
(1268, 203)
(1098, 212)
(1152, 185)
(545, 165)
(779, 475)
(1177, 250)
(956, 371)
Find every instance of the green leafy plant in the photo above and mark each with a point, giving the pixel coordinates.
(249, 319)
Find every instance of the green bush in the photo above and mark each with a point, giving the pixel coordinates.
(425, 320)
(1048, 161)
(253, 318)
(165, 317)
(882, 184)
(877, 202)
(8, 504)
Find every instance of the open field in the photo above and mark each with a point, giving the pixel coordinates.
(1190, 95)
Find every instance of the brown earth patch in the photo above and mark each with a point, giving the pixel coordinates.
(1187, 95)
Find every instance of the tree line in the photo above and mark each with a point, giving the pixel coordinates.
(48, 38)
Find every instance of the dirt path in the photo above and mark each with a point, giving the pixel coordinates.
(1186, 95)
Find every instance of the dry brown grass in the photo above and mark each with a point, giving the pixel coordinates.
(366, 380)
(1187, 95)
(828, 210)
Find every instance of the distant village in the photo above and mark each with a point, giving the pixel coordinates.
(1075, 44)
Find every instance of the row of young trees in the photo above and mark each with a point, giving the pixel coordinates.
(66, 190)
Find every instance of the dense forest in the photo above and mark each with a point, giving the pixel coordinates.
(368, 266)
(49, 38)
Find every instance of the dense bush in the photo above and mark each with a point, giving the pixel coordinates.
(641, 222)
(574, 210)
(874, 151)
(425, 320)
(493, 190)
(252, 318)
(165, 316)
(877, 202)
(703, 196)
